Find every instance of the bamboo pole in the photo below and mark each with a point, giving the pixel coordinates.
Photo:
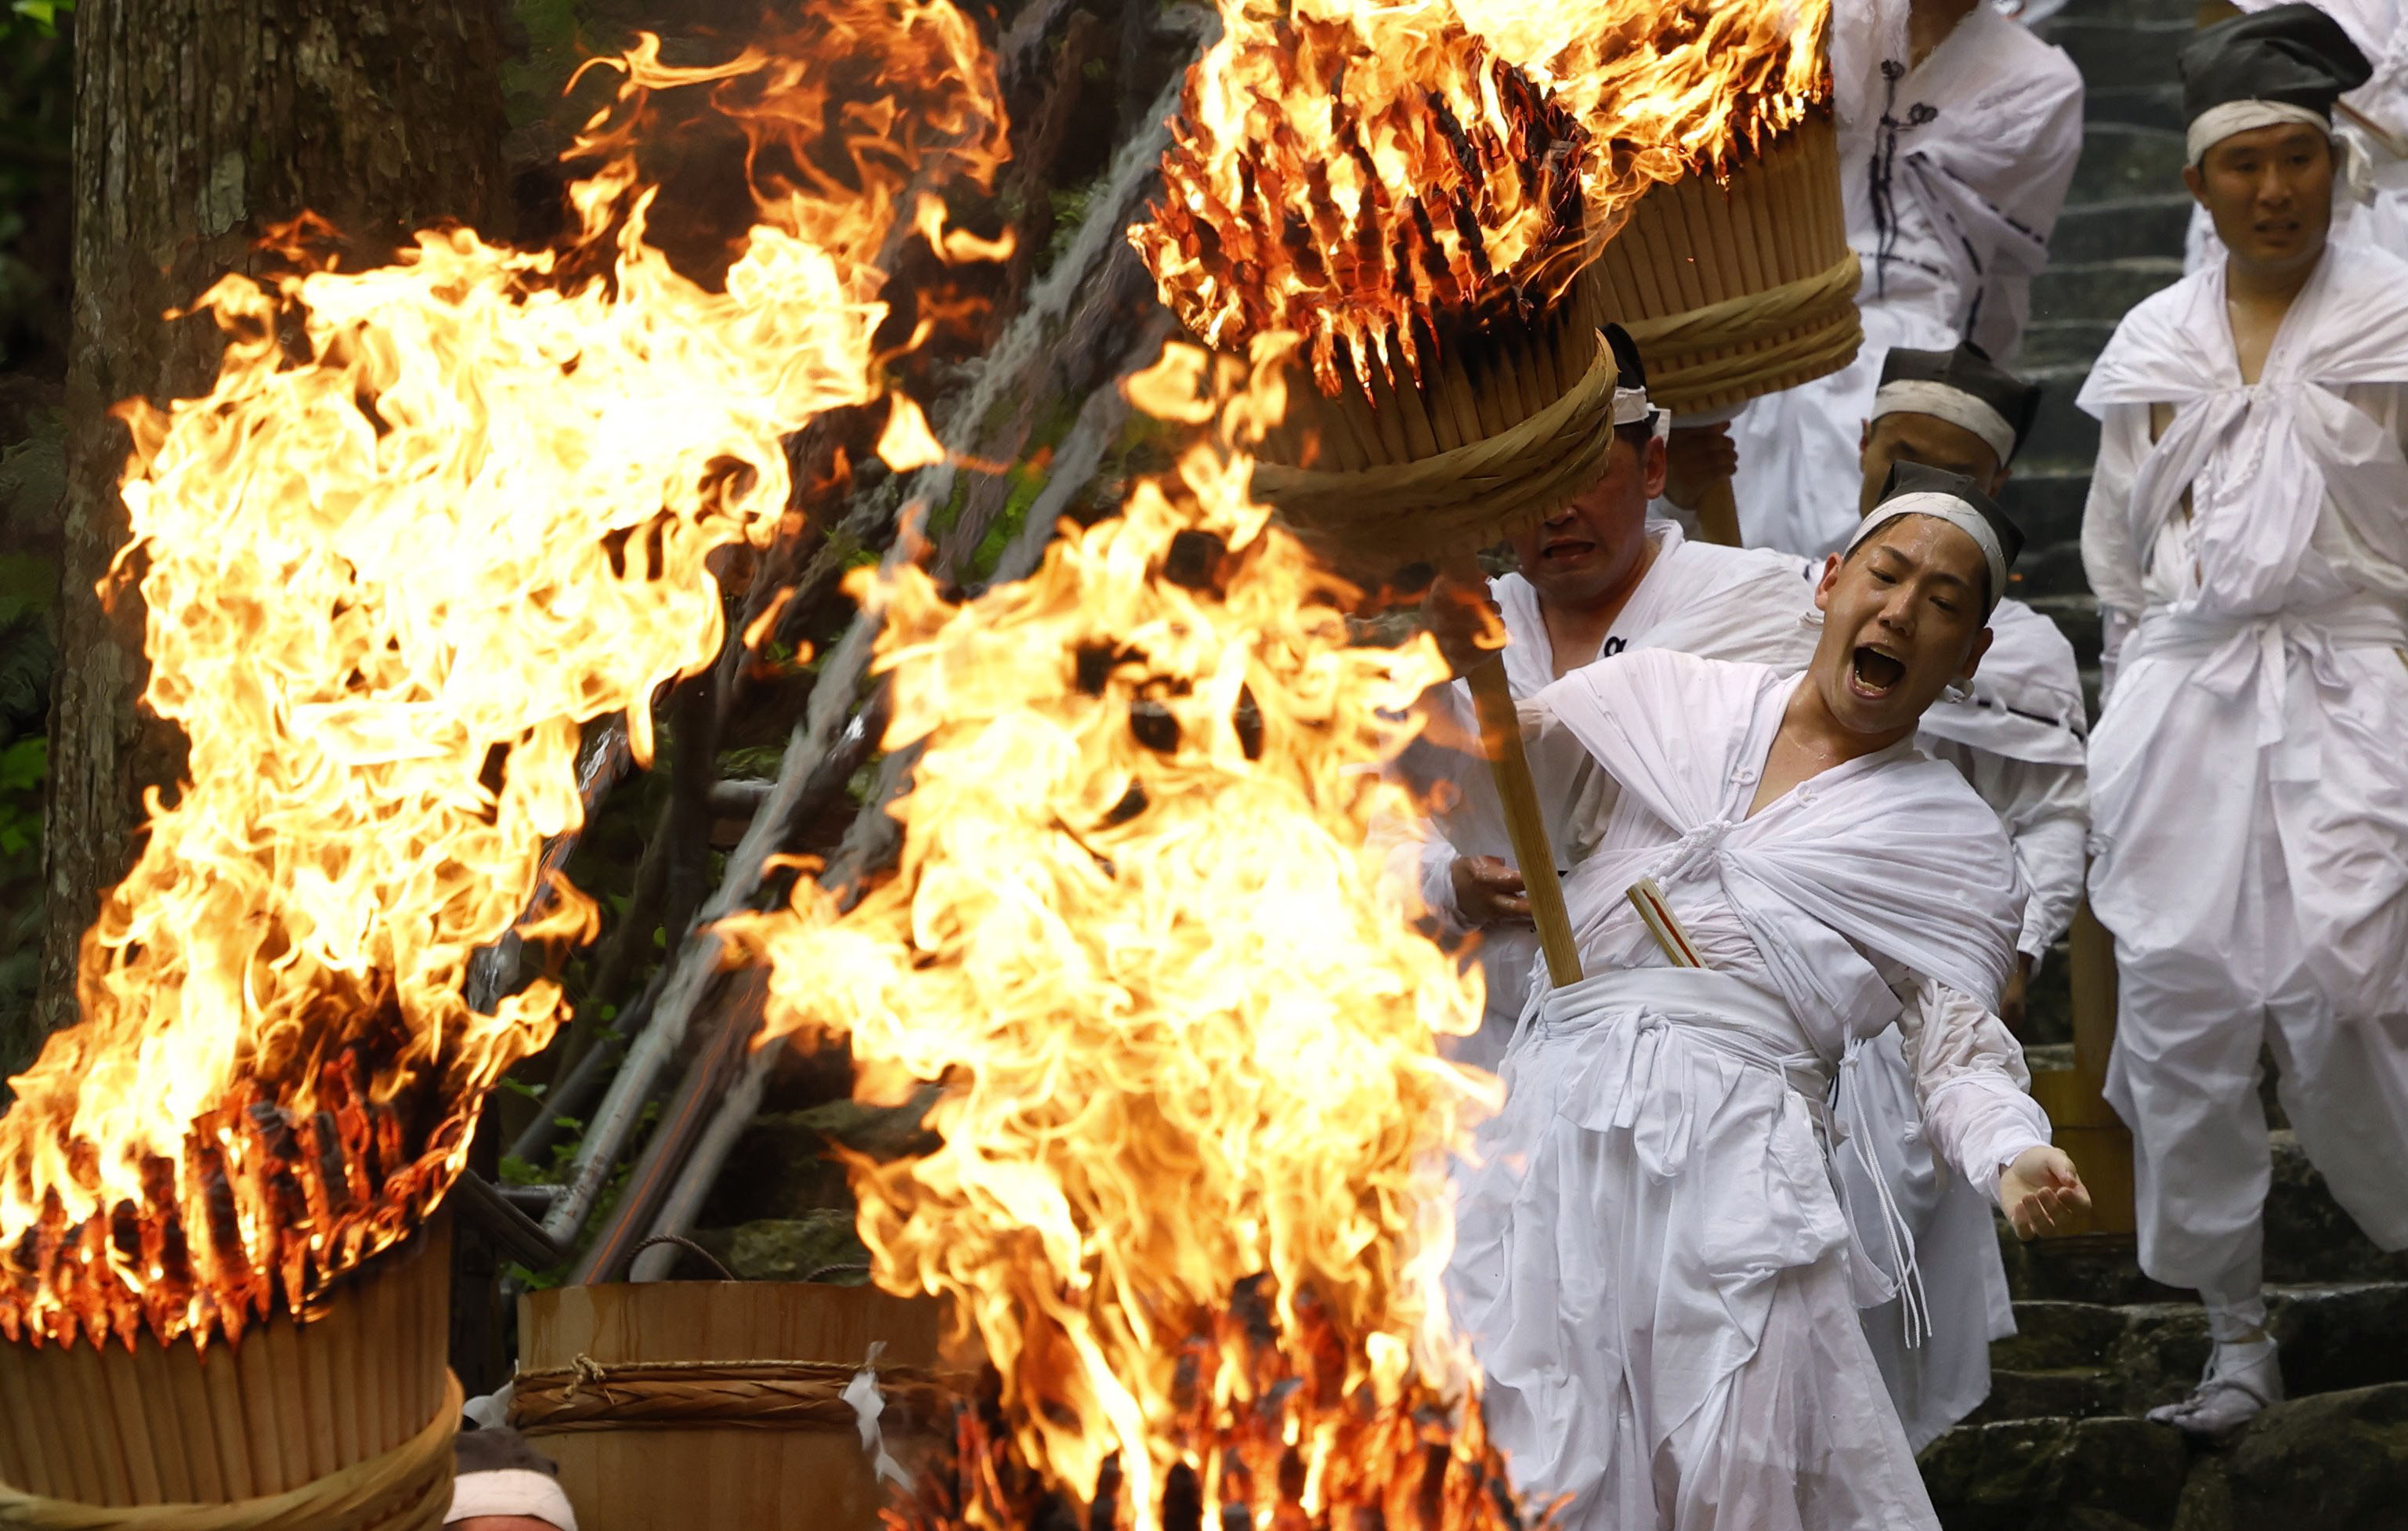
(1462, 410)
(226, 1416)
(145, 1469)
(1487, 398)
(1500, 736)
(197, 1422)
(1421, 433)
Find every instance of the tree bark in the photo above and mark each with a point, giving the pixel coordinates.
(200, 122)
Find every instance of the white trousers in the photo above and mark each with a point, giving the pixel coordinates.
(1652, 1269)
(1939, 1381)
(2250, 798)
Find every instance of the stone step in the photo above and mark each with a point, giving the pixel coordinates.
(2337, 1461)
(2046, 505)
(2061, 434)
(2157, 106)
(2130, 49)
(2120, 162)
(2064, 1392)
(2051, 1474)
(2097, 292)
(2130, 1358)
(2145, 224)
(2063, 346)
(2167, 12)
(2077, 618)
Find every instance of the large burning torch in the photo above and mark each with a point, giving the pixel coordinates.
(431, 519)
(1421, 191)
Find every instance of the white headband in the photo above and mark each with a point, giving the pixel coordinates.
(1920, 396)
(1956, 513)
(2225, 119)
(511, 1491)
(1630, 406)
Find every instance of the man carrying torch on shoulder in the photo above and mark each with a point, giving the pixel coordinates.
(1653, 1263)
(1592, 580)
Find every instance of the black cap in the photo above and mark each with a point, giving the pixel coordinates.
(1970, 370)
(1631, 372)
(1922, 479)
(2295, 54)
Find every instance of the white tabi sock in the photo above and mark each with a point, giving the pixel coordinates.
(2236, 1308)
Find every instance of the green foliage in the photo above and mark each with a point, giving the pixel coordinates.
(36, 119)
(23, 767)
(518, 1172)
(531, 85)
(39, 16)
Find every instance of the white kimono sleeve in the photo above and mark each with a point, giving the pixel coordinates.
(1978, 1113)
(2108, 560)
(2047, 810)
(1417, 867)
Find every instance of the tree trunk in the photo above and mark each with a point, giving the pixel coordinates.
(200, 122)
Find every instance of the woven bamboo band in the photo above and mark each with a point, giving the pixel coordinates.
(402, 1490)
(1461, 499)
(738, 1394)
(1811, 323)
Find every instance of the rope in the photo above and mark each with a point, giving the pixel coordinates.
(690, 1247)
(691, 1394)
(1821, 305)
(405, 1489)
(1459, 499)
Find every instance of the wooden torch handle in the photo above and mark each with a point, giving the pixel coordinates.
(1501, 734)
(1718, 514)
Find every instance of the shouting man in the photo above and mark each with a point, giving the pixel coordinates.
(2017, 732)
(2247, 536)
(1594, 579)
(1653, 1264)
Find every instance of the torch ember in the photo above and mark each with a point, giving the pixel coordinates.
(1190, 1193)
(431, 519)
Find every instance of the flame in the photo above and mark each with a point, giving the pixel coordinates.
(1190, 1195)
(1338, 168)
(1664, 90)
(1353, 169)
(431, 518)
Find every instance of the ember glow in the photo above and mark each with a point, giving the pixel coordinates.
(387, 579)
(1191, 1191)
(1369, 173)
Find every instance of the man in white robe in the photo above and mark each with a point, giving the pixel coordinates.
(1953, 177)
(1594, 579)
(2371, 198)
(2017, 732)
(1651, 1263)
(2247, 538)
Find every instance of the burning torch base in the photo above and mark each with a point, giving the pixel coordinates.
(342, 1423)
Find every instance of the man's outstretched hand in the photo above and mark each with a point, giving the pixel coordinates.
(2043, 1194)
(1488, 892)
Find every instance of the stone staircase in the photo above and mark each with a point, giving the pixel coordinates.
(2119, 240)
(2061, 1445)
